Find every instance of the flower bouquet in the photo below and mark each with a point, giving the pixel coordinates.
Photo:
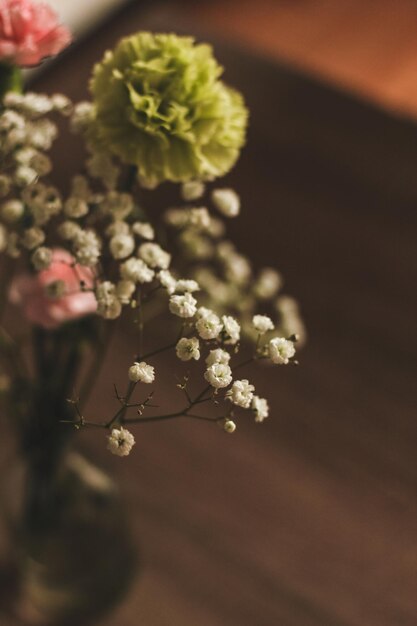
(78, 261)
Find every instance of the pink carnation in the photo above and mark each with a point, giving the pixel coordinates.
(29, 32)
(29, 291)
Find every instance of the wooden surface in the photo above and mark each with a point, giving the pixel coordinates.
(368, 47)
(310, 519)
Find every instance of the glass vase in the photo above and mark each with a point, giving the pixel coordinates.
(70, 556)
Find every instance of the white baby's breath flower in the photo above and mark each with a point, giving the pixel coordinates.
(137, 271)
(225, 249)
(281, 350)
(183, 306)
(183, 285)
(68, 230)
(43, 202)
(5, 185)
(125, 290)
(177, 218)
(218, 356)
(108, 304)
(11, 119)
(13, 99)
(218, 375)
(188, 349)
(167, 280)
(120, 442)
(101, 166)
(41, 258)
(203, 311)
(291, 322)
(80, 188)
(260, 408)
(52, 199)
(12, 245)
(141, 373)
(25, 176)
(154, 256)
(226, 201)
(14, 138)
(209, 326)
(42, 212)
(195, 246)
(87, 247)
(238, 269)
(32, 105)
(82, 116)
(121, 246)
(147, 182)
(229, 426)
(241, 393)
(75, 207)
(144, 230)
(24, 155)
(41, 163)
(117, 228)
(3, 238)
(12, 210)
(32, 237)
(199, 218)
(267, 284)
(217, 228)
(192, 190)
(42, 133)
(119, 205)
(231, 330)
(110, 308)
(262, 323)
(286, 304)
(105, 289)
(62, 104)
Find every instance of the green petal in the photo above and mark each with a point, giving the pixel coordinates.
(160, 106)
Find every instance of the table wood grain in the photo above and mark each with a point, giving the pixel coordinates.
(309, 520)
(367, 47)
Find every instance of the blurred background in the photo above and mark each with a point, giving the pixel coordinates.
(309, 520)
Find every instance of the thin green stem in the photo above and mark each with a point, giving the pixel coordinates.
(120, 415)
(185, 412)
(201, 395)
(156, 418)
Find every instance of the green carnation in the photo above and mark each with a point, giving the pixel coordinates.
(159, 105)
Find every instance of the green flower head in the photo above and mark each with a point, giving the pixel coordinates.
(160, 105)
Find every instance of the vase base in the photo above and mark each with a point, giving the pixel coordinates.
(77, 569)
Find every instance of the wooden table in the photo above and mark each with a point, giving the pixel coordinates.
(310, 519)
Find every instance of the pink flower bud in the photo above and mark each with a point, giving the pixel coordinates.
(30, 292)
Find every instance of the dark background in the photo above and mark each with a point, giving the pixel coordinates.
(308, 520)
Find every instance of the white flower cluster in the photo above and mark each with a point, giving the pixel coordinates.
(102, 230)
(141, 373)
(120, 442)
(281, 350)
(188, 349)
(220, 300)
(226, 277)
(26, 204)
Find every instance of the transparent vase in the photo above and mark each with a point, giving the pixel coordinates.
(69, 557)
